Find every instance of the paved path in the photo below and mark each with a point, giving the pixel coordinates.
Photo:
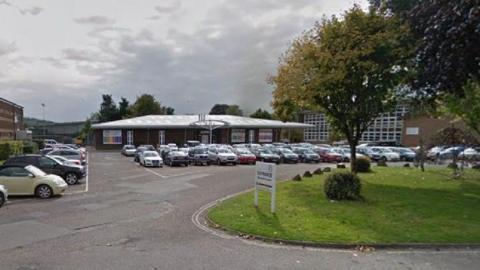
(137, 218)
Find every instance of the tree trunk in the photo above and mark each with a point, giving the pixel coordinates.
(422, 156)
(353, 158)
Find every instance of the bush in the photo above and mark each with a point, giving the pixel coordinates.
(382, 163)
(318, 171)
(297, 178)
(362, 164)
(9, 148)
(342, 186)
(30, 148)
(307, 174)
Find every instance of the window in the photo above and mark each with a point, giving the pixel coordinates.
(14, 172)
(46, 162)
(251, 136)
(112, 137)
(130, 137)
(161, 137)
(238, 135)
(265, 135)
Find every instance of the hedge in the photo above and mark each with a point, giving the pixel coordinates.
(9, 148)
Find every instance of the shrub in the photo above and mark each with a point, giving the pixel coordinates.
(341, 166)
(362, 164)
(318, 171)
(307, 174)
(327, 169)
(297, 178)
(9, 148)
(342, 186)
(30, 148)
(382, 163)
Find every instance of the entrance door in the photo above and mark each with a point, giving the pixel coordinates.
(204, 138)
(251, 136)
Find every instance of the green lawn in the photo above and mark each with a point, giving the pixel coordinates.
(402, 205)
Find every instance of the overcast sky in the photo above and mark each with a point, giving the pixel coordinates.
(189, 54)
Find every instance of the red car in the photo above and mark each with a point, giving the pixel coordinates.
(245, 156)
(328, 155)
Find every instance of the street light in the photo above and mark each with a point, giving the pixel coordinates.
(44, 127)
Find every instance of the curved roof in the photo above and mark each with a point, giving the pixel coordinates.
(186, 121)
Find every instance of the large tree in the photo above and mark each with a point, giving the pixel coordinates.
(108, 109)
(234, 110)
(262, 114)
(219, 109)
(468, 107)
(147, 104)
(123, 108)
(448, 52)
(349, 68)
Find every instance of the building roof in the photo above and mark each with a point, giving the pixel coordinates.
(187, 121)
(10, 103)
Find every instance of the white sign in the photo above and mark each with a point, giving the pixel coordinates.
(412, 131)
(265, 135)
(265, 179)
(238, 135)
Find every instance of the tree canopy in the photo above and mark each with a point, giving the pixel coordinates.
(222, 109)
(147, 104)
(349, 68)
(262, 114)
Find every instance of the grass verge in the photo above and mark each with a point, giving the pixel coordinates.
(403, 205)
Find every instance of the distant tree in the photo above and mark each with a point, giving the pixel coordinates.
(350, 68)
(145, 104)
(468, 107)
(219, 109)
(234, 110)
(400, 8)
(123, 108)
(169, 110)
(448, 53)
(262, 114)
(108, 109)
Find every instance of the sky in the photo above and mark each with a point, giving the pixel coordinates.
(189, 54)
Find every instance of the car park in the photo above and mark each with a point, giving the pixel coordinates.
(30, 180)
(244, 156)
(151, 159)
(222, 156)
(71, 174)
(3, 195)
(199, 156)
(287, 155)
(128, 150)
(175, 157)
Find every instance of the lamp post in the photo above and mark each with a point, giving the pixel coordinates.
(44, 127)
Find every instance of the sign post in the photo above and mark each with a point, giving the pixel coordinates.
(265, 179)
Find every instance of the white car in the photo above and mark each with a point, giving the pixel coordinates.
(151, 159)
(129, 150)
(3, 195)
(469, 154)
(386, 154)
(222, 156)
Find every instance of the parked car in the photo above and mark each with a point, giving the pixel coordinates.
(346, 153)
(266, 155)
(149, 147)
(287, 155)
(128, 150)
(69, 154)
(49, 141)
(222, 156)
(199, 156)
(306, 155)
(3, 195)
(138, 153)
(369, 153)
(71, 174)
(66, 161)
(30, 180)
(434, 152)
(450, 152)
(151, 159)
(406, 154)
(244, 156)
(176, 158)
(329, 155)
(469, 154)
(386, 154)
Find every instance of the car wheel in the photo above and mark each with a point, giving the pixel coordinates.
(71, 178)
(43, 192)
(2, 199)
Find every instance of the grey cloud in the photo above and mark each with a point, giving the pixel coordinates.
(95, 20)
(169, 7)
(24, 11)
(7, 47)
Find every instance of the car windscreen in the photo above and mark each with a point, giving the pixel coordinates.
(151, 155)
(200, 151)
(223, 150)
(35, 171)
(286, 151)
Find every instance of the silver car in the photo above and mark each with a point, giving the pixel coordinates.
(222, 156)
(3, 195)
(69, 154)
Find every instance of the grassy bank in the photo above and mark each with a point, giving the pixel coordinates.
(402, 206)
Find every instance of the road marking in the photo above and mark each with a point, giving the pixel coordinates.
(155, 173)
(86, 185)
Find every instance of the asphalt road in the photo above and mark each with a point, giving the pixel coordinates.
(137, 218)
